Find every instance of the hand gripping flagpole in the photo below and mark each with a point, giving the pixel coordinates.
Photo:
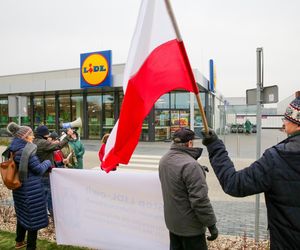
(178, 36)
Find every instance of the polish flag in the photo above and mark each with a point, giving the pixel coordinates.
(157, 64)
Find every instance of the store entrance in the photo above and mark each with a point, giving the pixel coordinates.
(179, 119)
(168, 121)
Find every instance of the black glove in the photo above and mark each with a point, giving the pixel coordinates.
(213, 232)
(209, 137)
(50, 169)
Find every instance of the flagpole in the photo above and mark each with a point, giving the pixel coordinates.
(202, 113)
(179, 38)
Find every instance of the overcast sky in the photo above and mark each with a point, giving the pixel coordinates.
(43, 35)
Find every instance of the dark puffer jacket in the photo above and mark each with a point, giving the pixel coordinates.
(29, 199)
(187, 208)
(277, 174)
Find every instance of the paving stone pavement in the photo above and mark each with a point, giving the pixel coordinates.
(236, 216)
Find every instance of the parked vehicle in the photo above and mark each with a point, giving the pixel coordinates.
(223, 131)
(233, 128)
(240, 128)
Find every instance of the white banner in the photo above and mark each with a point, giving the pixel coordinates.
(119, 210)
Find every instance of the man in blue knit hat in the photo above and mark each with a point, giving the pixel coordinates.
(276, 174)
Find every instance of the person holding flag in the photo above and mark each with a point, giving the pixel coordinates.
(276, 174)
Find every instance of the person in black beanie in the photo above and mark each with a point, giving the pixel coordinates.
(276, 174)
(187, 208)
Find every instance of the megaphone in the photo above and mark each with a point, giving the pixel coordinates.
(74, 124)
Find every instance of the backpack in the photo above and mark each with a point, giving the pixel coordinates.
(9, 173)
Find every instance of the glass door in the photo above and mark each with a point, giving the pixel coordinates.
(179, 118)
(162, 125)
(94, 103)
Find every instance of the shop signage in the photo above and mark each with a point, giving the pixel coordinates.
(95, 69)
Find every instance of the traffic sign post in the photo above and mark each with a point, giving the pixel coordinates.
(17, 107)
(260, 95)
(259, 87)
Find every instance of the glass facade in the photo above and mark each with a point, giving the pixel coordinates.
(77, 110)
(3, 116)
(38, 111)
(172, 111)
(64, 108)
(99, 110)
(50, 111)
(108, 118)
(94, 120)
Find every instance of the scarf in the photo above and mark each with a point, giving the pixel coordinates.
(29, 149)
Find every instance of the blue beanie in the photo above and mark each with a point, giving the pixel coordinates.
(42, 130)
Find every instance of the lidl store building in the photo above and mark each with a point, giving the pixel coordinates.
(58, 96)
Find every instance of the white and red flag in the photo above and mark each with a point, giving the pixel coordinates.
(157, 63)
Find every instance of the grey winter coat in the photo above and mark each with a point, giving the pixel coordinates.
(29, 199)
(277, 174)
(187, 208)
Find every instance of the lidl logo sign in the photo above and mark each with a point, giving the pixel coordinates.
(95, 69)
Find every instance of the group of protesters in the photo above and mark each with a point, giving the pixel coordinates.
(36, 153)
(187, 208)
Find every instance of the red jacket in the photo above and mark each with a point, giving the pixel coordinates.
(58, 158)
(101, 152)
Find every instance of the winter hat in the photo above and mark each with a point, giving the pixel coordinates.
(42, 130)
(19, 131)
(292, 112)
(183, 135)
(54, 135)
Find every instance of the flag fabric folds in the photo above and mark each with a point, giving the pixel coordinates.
(157, 64)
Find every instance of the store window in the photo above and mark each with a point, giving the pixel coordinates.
(38, 111)
(77, 110)
(162, 125)
(145, 130)
(50, 112)
(3, 116)
(64, 108)
(94, 103)
(121, 97)
(180, 100)
(108, 112)
(26, 121)
(179, 118)
(198, 122)
(163, 102)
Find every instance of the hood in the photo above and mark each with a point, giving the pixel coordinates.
(194, 152)
(17, 144)
(289, 150)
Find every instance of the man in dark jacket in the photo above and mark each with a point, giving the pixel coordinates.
(187, 208)
(45, 150)
(276, 173)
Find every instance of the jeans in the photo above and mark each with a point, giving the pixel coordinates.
(31, 236)
(197, 242)
(47, 189)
